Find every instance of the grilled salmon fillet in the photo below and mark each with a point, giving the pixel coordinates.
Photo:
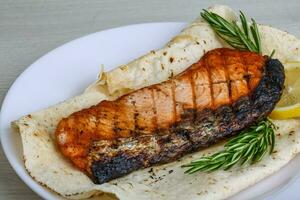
(221, 94)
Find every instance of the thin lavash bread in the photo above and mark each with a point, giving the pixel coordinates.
(47, 166)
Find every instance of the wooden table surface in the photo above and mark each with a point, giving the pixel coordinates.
(31, 28)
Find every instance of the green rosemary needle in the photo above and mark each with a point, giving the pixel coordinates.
(253, 143)
(245, 37)
(248, 147)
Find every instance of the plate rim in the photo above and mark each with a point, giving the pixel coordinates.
(25, 177)
(30, 182)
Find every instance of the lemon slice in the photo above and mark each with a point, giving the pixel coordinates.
(289, 104)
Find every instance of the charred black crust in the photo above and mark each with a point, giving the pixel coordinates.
(209, 127)
(115, 167)
(270, 88)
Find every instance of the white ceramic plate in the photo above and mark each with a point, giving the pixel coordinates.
(69, 69)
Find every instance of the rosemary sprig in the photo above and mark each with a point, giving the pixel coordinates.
(272, 53)
(248, 147)
(244, 38)
(253, 143)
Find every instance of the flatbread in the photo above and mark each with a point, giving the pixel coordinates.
(47, 166)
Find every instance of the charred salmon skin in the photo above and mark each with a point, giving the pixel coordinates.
(224, 92)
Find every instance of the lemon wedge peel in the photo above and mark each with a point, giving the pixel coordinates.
(289, 108)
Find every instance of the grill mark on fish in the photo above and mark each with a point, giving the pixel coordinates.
(115, 127)
(164, 106)
(174, 102)
(246, 77)
(226, 114)
(193, 97)
(103, 153)
(154, 111)
(134, 117)
(210, 83)
(154, 149)
(228, 82)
